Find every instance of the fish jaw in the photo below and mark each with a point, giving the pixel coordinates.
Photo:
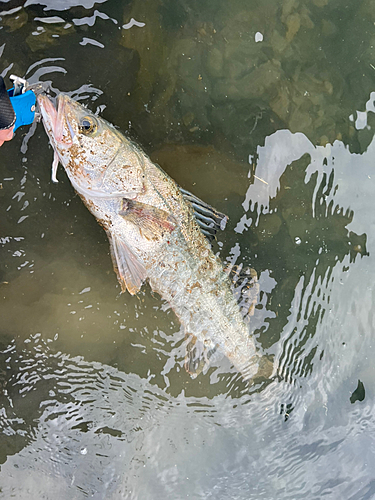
(49, 114)
(57, 127)
(64, 133)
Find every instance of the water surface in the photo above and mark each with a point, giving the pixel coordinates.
(265, 111)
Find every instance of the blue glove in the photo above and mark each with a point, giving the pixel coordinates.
(24, 107)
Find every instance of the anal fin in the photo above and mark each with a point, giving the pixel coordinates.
(130, 271)
(198, 355)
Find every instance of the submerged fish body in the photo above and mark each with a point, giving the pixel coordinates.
(152, 229)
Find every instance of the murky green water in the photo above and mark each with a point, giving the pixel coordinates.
(264, 110)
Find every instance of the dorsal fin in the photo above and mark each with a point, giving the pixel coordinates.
(208, 219)
(245, 287)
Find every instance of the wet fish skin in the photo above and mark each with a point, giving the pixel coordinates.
(152, 230)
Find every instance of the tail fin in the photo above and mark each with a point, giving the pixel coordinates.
(261, 367)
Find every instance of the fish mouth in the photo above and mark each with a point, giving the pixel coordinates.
(55, 120)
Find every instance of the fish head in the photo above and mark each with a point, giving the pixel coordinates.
(91, 150)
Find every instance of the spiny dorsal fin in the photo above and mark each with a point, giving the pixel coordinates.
(245, 287)
(208, 219)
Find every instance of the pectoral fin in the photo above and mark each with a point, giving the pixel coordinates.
(130, 271)
(153, 223)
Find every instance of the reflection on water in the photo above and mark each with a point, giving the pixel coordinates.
(94, 398)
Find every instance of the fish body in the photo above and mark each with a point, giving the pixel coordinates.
(152, 229)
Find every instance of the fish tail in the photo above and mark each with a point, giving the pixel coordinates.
(261, 367)
(248, 371)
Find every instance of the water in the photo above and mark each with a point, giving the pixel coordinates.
(277, 132)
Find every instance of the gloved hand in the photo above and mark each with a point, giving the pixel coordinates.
(7, 114)
(16, 108)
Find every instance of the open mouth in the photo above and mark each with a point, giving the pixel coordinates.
(57, 124)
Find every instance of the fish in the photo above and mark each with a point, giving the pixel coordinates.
(158, 233)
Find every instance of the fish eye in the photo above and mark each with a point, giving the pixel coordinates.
(88, 125)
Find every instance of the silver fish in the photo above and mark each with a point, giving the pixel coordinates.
(153, 229)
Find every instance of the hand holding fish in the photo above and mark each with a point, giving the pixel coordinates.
(17, 106)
